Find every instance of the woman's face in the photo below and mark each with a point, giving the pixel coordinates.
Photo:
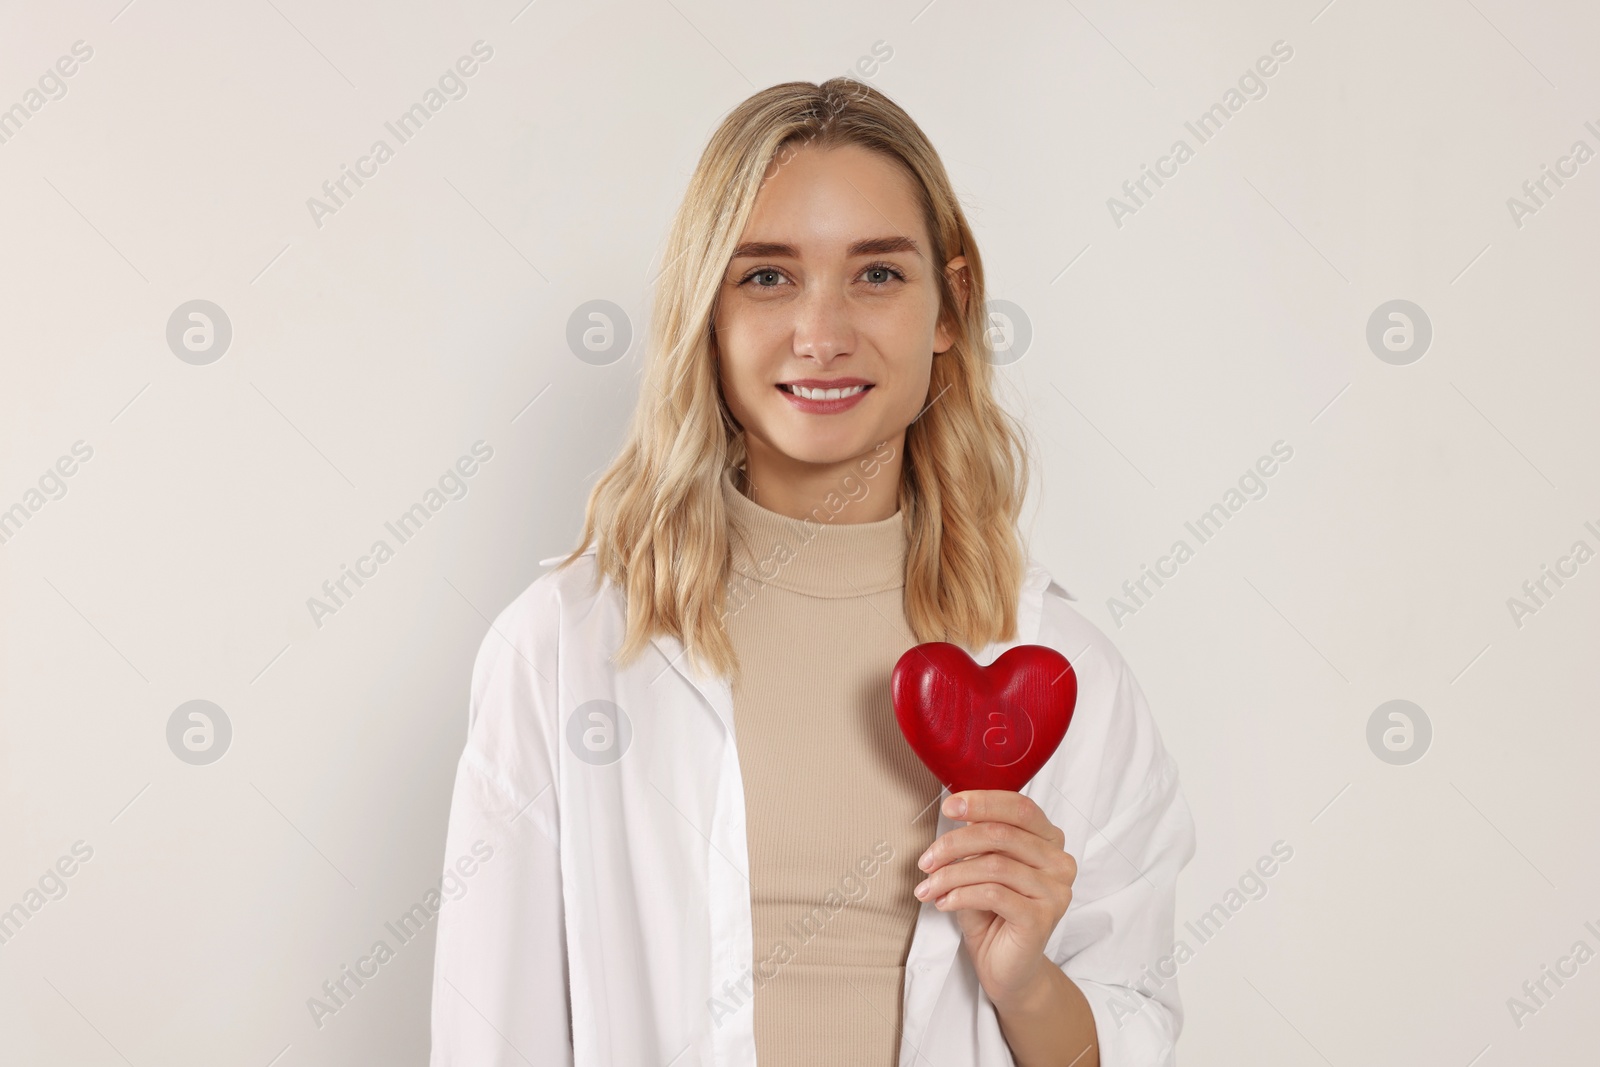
(831, 288)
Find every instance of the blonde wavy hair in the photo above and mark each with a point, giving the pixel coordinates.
(657, 516)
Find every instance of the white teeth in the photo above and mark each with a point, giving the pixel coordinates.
(825, 394)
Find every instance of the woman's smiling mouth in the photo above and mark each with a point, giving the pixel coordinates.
(817, 396)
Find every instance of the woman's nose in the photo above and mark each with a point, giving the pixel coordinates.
(822, 327)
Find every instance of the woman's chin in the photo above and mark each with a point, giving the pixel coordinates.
(827, 453)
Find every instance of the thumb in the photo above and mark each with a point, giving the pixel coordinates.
(973, 922)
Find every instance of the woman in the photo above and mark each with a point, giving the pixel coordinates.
(708, 839)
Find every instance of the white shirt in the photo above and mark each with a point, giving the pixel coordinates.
(610, 923)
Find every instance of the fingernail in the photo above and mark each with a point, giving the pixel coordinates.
(927, 860)
(955, 807)
(921, 891)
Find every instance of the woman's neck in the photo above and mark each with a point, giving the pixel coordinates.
(863, 488)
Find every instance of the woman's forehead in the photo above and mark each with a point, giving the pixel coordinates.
(835, 201)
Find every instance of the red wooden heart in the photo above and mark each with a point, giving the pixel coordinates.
(983, 727)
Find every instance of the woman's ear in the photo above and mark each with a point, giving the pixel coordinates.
(956, 272)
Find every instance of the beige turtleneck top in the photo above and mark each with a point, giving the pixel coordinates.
(838, 807)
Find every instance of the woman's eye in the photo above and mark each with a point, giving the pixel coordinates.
(875, 276)
(881, 274)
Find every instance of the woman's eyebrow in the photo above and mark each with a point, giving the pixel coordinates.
(872, 246)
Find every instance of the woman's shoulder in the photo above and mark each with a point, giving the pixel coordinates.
(1113, 727)
(529, 627)
(1063, 627)
(557, 589)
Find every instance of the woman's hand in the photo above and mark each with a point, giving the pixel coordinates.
(1009, 881)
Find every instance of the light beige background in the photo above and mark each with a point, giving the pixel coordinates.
(1168, 354)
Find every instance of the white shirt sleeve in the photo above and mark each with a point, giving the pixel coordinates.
(500, 971)
(1119, 927)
